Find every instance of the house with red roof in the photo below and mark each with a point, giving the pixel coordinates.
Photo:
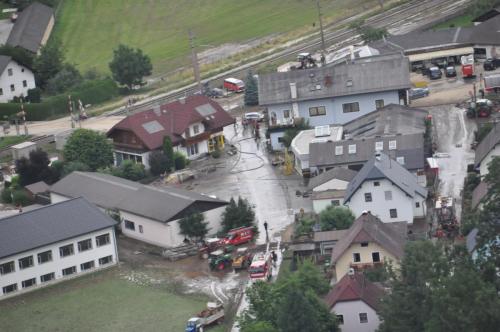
(355, 301)
(194, 124)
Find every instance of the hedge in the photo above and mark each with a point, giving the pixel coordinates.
(89, 92)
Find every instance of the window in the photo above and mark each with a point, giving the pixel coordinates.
(352, 148)
(105, 260)
(376, 184)
(7, 267)
(9, 289)
(87, 266)
(141, 229)
(417, 204)
(130, 225)
(85, 245)
(192, 149)
(1, 92)
(379, 146)
(317, 111)
(45, 257)
(375, 257)
(12, 88)
(393, 213)
(280, 139)
(401, 160)
(339, 150)
(356, 257)
(25, 262)
(25, 84)
(363, 317)
(350, 107)
(9, 72)
(68, 271)
(368, 197)
(335, 202)
(29, 283)
(340, 319)
(392, 145)
(286, 114)
(102, 240)
(379, 103)
(196, 129)
(48, 277)
(66, 250)
(364, 244)
(388, 195)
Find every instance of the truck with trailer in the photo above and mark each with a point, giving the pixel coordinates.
(214, 313)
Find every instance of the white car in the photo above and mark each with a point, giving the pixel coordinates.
(255, 116)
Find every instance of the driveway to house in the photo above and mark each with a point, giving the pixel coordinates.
(455, 133)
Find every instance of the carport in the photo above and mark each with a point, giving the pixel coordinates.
(455, 52)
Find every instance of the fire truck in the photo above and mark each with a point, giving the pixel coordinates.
(239, 236)
(261, 267)
(234, 84)
(467, 62)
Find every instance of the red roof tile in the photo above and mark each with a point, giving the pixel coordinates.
(353, 288)
(173, 119)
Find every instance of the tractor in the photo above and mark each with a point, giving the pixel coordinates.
(219, 260)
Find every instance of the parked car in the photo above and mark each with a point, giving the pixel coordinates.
(435, 73)
(215, 93)
(255, 116)
(450, 71)
(419, 93)
(491, 64)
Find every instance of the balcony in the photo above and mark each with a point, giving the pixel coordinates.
(363, 266)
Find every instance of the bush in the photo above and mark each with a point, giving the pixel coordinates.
(34, 95)
(180, 160)
(6, 196)
(20, 197)
(89, 92)
(158, 162)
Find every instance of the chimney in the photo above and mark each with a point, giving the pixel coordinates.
(293, 90)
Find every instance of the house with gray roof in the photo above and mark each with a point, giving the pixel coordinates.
(388, 190)
(147, 213)
(15, 79)
(53, 243)
(332, 94)
(329, 187)
(32, 28)
(488, 149)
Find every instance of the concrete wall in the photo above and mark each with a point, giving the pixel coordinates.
(344, 262)
(19, 74)
(379, 206)
(58, 263)
(350, 311)
(275, 144)
(483, 167)
(321, 204)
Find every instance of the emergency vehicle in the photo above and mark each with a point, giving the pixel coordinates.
(234, 84)
(467, 62)
(239, 236)
(261, 267)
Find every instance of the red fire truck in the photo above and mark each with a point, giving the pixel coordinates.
(467, 62)
(261, 267)
(234, 84)
(239, 236)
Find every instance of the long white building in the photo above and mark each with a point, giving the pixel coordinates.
(54, 243)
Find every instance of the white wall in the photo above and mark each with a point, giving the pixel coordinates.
(351, 310)
(202, 150)
(379, 206)
(321, 204)
(483, 167)
(333, 184)
(144, 157)
(19, 74)
(58, 263)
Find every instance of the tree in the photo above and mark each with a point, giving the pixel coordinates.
(335, 217)
(74, 166)
(89, 147)
(158, 163)
(130, 170)
(237, 214)
(48, 63)
(290, 133)
(34, 169)
(479, 7)
(251, 90)
(259, 327)
(168, 151)
(180, 160)
(194, 226)
(370, 34)
(64, 80)
(129, 66)
(297, 313)
(19, 54)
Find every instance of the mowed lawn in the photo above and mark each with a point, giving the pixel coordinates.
(100, 302)
(91, 29)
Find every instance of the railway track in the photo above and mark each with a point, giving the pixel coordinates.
(336, 35)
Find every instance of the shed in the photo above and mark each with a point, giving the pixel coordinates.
(22, 150)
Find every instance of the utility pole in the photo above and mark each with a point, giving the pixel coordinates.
(70, 108)
(194, 59)
(23, 113)
(323, 46)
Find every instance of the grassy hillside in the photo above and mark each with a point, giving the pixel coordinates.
(90, 29)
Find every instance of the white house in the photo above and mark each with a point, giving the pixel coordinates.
(332, 94)
(54, 243)
(488, 149)
(329, 188)
(15, 79)
(149, 214)
(387, 190)
(355, 301)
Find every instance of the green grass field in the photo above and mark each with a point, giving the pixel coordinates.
(100, 302)
(459, 21)
(90, 29)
